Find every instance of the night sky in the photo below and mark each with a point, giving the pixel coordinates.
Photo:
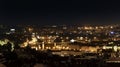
(45, 12)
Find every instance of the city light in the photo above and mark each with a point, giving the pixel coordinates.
(72, 40)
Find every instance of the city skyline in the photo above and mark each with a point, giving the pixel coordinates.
(53, 33)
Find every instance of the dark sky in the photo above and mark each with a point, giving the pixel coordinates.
(59, 12)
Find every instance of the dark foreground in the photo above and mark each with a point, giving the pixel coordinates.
(31, 58)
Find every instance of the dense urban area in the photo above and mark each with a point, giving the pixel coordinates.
(59, 45)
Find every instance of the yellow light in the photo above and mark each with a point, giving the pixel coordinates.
(81, 38)
(36, 48)
(42, 37)
(111, 27)
(30, 29)
(96, 27)
(111, 43)
(86, 28)
(104, 47)
(115, 48)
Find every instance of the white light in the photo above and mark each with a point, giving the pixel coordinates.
(72, 40)
(12, 29)
(112, 32)
(38, 37)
